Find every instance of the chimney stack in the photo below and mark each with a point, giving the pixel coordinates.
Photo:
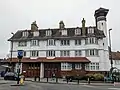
(83, 27)
(61, 25)
(34, 26)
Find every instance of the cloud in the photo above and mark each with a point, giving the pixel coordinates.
(18, 14)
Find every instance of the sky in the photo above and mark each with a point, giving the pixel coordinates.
(19, 14)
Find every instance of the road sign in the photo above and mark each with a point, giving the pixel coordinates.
(20, 54)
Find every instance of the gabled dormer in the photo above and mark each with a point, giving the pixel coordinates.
(48, 32)
(90, 30)
(36, 33)
(62, 28)
(78, 31)
(25, 33)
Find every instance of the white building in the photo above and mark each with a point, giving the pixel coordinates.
(116, 59)
(62, 50)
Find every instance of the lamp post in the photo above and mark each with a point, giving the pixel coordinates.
(11, 49)
(110, 52)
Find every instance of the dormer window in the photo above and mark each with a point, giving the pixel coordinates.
(36, 33)
(78, 31)
(48, 33)
(64, 32)
(25, 34)
(90, 30)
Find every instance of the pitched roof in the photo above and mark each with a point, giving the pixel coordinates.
(56, 34)
(56, 59)
(116, 55)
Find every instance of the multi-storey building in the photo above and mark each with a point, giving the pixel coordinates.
(63, 51)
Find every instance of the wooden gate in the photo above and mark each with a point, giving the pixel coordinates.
(51, 68)
(32, 69)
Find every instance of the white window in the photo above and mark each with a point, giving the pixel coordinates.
(92, 66)
(91, 40)
(117, 62)
(50, 53)
(36, 33)
(92, 52)
(78, 31)
(65, 42)
(51, 42)
(97, 66)
(34, 42)
(66, 66)
(64, 32)
(25, 34)
(78, 53)
(22, 43)
(78, 66)
(48, 32)
(64, 53)
(87, 67)
(90, 30)
(78, 42)
(34, 53)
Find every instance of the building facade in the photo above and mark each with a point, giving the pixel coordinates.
(63, 51)
(116, 59)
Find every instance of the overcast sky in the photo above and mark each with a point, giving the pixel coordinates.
(19, 14)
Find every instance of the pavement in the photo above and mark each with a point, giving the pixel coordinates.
(46, 86)
(30, 84)
(62, 81)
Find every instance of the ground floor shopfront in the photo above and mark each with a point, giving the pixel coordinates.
(48, 69)
(44, 67)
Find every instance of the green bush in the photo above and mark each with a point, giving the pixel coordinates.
(95, 77)
(98, 77)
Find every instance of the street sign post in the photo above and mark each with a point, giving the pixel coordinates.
(20, 56)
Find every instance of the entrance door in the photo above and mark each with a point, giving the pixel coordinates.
(32, 69)
(51, 68)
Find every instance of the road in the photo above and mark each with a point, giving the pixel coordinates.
(45, 86)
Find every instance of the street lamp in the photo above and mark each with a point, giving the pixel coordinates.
(110, 52)
(11, 49)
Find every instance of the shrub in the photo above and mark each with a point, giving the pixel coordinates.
(95, 77)
(98, 77)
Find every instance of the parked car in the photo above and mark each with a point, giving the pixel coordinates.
(10, 76)
(2, 73)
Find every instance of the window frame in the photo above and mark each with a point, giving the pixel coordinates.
(50, 53)
(64, 53)
(22, 42)
(34, 42)
(25, 34)
(34, 53)
(78, 52)
(50, 42)
(78, 31)
(48, 32)
(78, 42)
(92, 52)
(65, 42)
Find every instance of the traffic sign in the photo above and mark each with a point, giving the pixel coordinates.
(20, 54)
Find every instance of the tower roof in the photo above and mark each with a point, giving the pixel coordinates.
(101, 12)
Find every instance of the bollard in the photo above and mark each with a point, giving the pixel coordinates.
(47, 79)
(38, 78)
(78, 81)
(22, 80)
(35, 78)
(67, 80)
(56, 80)
(88, 80)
